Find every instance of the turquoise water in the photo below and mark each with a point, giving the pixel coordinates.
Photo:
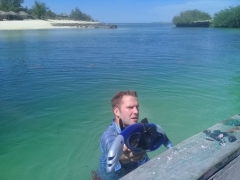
(56, 87)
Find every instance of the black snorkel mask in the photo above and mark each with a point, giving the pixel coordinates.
(143, 136)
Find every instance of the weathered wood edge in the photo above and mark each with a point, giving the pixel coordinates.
(194, 159)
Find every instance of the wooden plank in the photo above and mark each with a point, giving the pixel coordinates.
(194, 158)
(229, 172)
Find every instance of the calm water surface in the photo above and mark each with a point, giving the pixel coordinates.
(56, 87)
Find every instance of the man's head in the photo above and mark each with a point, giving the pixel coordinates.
(125, 107)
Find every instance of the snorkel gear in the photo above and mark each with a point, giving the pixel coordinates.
(137, 137)
(141, 136)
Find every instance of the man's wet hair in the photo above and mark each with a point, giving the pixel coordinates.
(117, 98)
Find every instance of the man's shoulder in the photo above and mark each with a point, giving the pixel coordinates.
(112, 131)
(109, 130)
(108, 136)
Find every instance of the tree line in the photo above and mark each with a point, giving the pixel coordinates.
(227, 18)
(41, 11)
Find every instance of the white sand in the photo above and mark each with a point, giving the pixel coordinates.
(36, 24)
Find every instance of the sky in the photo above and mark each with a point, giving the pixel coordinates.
(135, 11)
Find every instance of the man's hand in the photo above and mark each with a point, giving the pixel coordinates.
(129, 156)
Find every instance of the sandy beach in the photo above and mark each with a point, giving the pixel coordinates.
(37, 24)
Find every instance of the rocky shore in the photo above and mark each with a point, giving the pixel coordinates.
(85, 25)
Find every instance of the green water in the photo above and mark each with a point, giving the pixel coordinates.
(56, 87)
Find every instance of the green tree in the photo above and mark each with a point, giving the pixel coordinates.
(39, 10)
(51, 14)
(229, 18)
(190, 16)
(76, 14)
(11, 5)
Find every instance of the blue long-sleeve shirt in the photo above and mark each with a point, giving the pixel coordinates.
(120, 169)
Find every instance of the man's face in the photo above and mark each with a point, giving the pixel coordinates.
(128, 110)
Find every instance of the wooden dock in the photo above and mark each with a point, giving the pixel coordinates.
(210, 155)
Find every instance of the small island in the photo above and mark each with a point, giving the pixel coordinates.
(40, 16)
(227, 18)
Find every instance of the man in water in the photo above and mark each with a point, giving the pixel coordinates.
(125, 107)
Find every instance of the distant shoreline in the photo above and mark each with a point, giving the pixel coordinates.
(49, 24)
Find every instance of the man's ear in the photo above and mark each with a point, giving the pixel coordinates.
(116, 111)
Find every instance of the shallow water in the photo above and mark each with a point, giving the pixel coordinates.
(56, 87)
